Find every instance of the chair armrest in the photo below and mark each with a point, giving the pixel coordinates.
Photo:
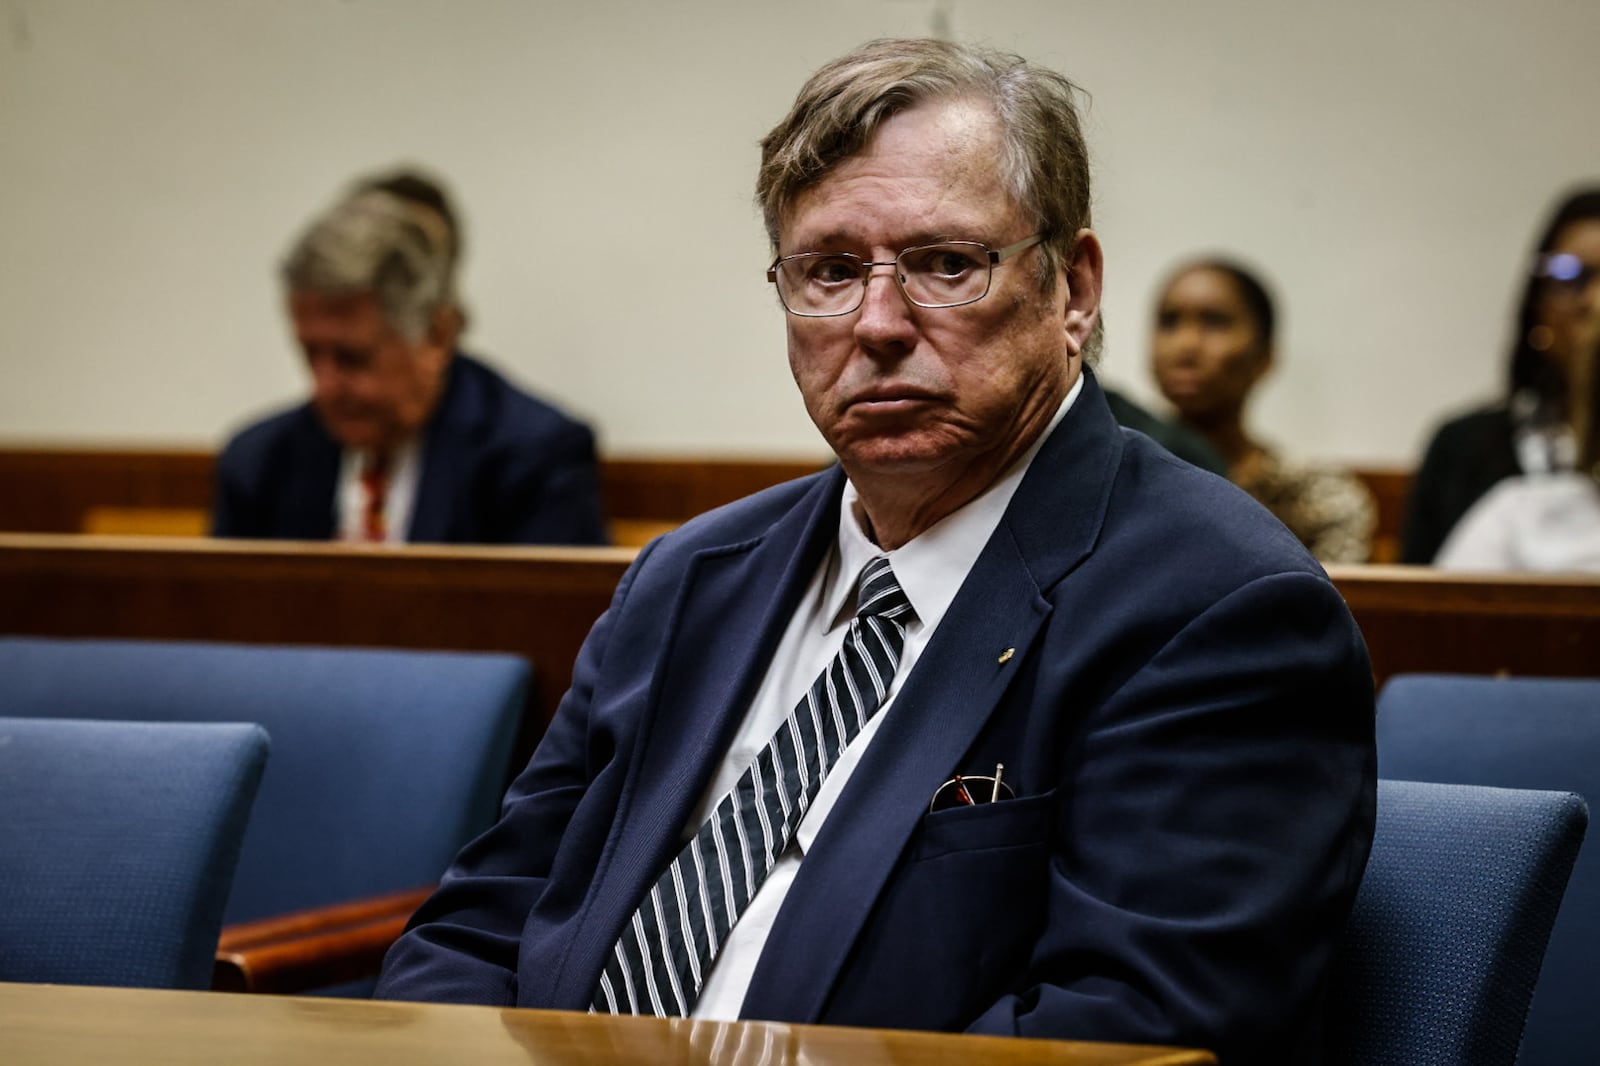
(312, 948)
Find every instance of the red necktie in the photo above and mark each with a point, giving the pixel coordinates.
(375, 486)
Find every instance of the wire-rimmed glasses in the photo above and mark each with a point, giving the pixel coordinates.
(947, 274)
(972, 789)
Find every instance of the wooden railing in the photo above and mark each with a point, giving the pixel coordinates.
(1418, 619)
(540, 602)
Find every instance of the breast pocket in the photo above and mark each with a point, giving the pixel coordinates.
(1016, 823)
(958, 919)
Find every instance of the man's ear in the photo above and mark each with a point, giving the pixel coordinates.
(1085, 272)
(444, 327)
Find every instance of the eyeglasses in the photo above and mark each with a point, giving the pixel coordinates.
(971, 790)
(825, 284)
(1565, 273)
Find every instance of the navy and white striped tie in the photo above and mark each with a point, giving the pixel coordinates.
(658, 965)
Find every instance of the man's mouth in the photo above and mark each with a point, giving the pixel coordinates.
(888, 400)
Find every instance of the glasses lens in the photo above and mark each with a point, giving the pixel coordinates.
(1562, 268)
(1566, 274)
(819, 283)
(943, 275)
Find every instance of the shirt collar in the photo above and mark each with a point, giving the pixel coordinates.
(931, 566)
(352, 461)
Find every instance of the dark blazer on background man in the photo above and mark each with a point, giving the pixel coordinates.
(1178, 694)
(498, 467)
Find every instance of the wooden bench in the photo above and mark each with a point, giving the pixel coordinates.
(168, 493)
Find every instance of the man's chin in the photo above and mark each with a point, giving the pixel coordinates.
(356, 436)
(891, 455)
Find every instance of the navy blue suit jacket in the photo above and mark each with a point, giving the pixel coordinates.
(1186, 715)
(498, 467)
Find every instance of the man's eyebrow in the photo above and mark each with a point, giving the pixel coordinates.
(832, 240)
(836, 240)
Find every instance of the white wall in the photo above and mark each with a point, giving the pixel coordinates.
(1385, 163)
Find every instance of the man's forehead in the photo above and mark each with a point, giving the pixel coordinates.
(345, 303)
(940, 158)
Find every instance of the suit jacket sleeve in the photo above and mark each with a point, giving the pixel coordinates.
(554, 495)
(462, 944)
(1211, 835)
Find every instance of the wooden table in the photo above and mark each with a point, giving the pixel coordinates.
(58, 1025)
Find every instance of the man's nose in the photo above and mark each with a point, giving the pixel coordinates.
(1184, 341)
(885, 314)
(325, 377)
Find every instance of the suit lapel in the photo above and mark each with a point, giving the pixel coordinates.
(1051, 524)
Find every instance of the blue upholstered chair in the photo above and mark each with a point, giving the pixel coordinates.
(384, 762)
(1439, 959)
(117, 847)
(1517, 733)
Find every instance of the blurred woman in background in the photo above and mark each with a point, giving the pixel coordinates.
(1530, 431)
(1550, 521)
(1213, 344)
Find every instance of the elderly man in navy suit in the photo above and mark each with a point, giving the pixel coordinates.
(404, 438)
(1010, 723)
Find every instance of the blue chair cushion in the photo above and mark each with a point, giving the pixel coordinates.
(1438, 961)
(1539, 733)
(384, 762)
(117, 847)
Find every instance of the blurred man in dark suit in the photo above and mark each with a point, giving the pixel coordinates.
(405, 438)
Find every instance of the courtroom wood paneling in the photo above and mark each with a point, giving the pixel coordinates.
(538, 602)
(1419, 619)
(677, 489)
(68, 490)
(52, 490)
(63, 490)
(1390, 488)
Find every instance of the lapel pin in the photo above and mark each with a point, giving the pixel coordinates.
(1006, 655)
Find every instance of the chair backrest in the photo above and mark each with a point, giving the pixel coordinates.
(384, 762)
(117, 847)
(1439, 959)
(1517, 733)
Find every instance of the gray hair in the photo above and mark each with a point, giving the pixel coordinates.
(374, 242)
(1045, 162)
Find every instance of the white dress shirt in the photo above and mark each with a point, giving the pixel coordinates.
(930, 569)
(1546, 523)
(405, 469)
